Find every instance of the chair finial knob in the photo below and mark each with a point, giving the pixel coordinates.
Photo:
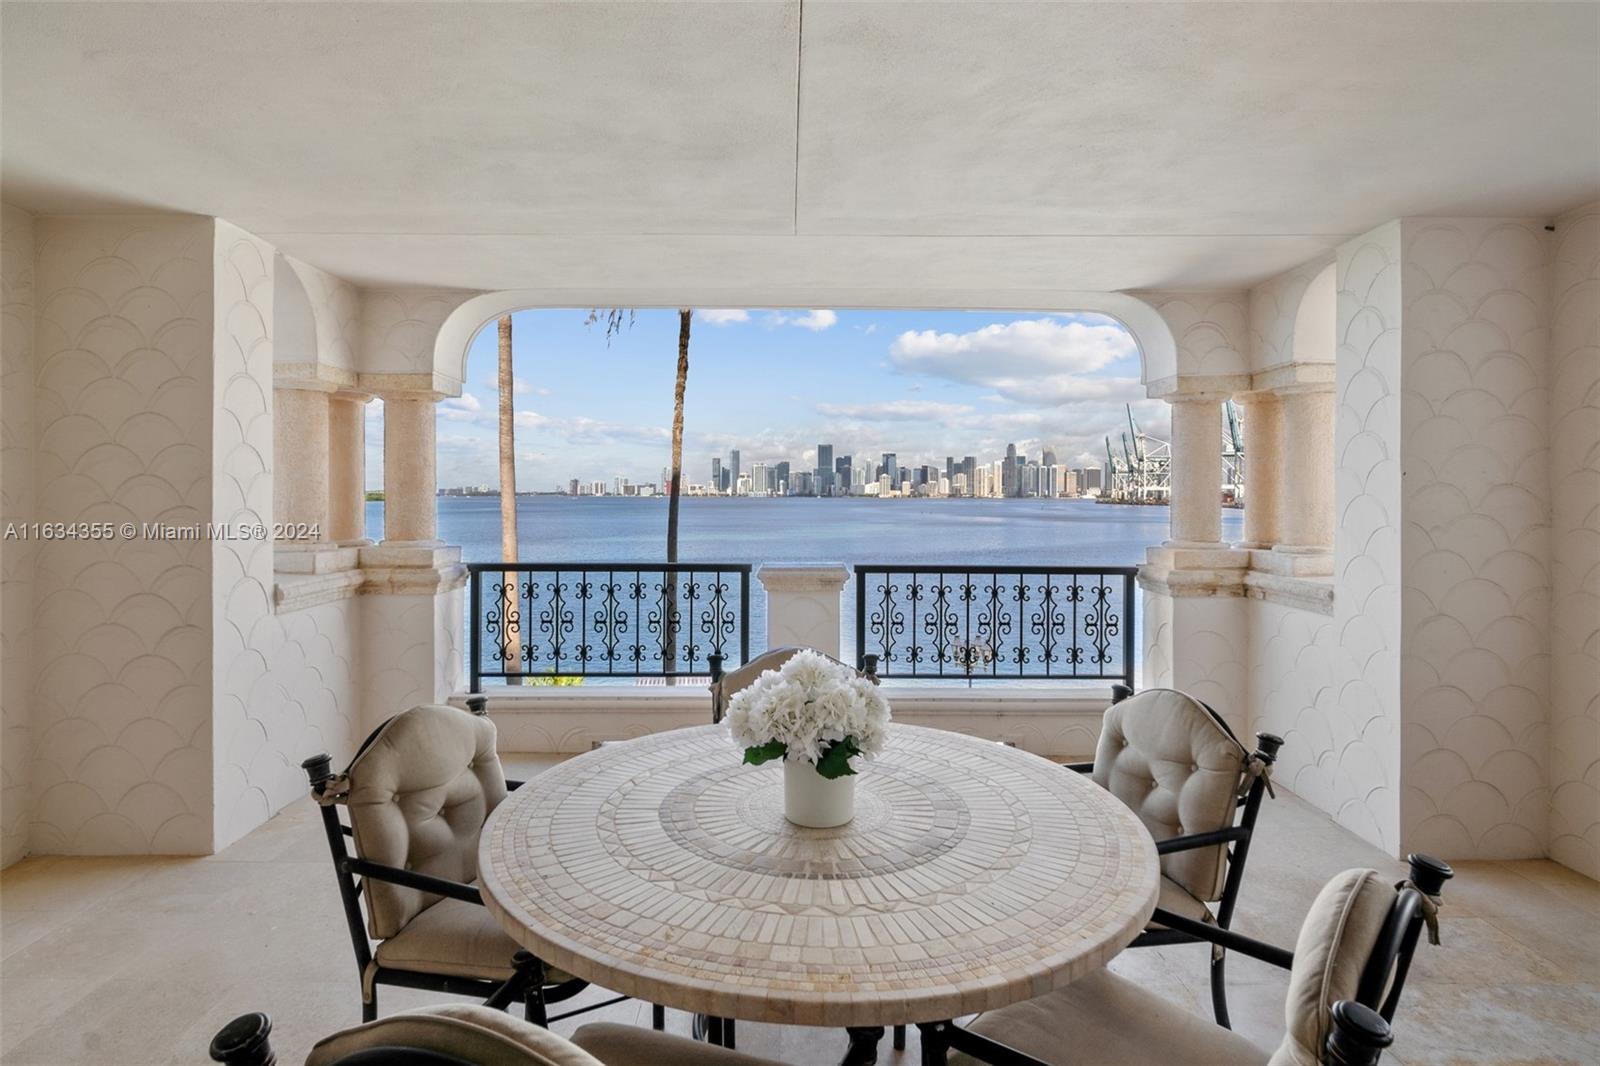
(318, 769)
(244, 1042)
(478, 705)
(1358, 1035)
(1428, 873)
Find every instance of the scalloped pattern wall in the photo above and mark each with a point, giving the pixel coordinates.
(1273, 307)
(399, 327)
(1331, 687)
(16, 556)
(336, 311)
(1574, 422)
(1210, 329)
(122, 637)
(1475, 555)
(285, 685)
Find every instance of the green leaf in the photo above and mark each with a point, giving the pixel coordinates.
(835, 762)
(772, 749)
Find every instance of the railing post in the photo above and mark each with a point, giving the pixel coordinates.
(475, 624)
(803, 605)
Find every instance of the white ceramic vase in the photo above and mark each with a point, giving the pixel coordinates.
(814, 801)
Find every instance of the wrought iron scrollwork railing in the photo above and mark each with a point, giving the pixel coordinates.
(1014, 622)
(534, 620)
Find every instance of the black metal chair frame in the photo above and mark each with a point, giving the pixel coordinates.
(1237, 837)
(1361, 1027)
(533, 989)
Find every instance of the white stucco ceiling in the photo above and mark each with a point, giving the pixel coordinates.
(960, 149)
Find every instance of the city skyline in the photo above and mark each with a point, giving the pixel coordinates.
(849, 475)
(776, 383)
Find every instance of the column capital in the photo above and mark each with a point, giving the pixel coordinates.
(1294, 377)
(1213, 388)
(423, 386)
(311, 377)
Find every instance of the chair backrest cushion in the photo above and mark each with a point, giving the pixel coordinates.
(773, 659)
(419, 791)
(1165, 755)
(1336, 940)
(467, 1031)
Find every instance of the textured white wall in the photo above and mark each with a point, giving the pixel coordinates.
(1210, 329)
(122, 638)
(336, 313)
(1274, 306)
(1475, 554)
(1574, 421)
(16, 556)
(399, 327)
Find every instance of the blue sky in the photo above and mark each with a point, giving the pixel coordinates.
(923, 384)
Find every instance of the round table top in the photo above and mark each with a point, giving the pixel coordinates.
(972, 876)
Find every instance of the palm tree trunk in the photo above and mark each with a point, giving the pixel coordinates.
(510, 633)
(675, 486)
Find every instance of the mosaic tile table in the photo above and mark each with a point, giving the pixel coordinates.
(973, 875)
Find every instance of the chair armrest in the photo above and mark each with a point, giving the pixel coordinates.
(1191, 841)
(1079, 767)
(439, 886)
(1270, 954)
(982, 1048)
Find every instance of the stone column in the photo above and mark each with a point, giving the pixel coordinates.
(347, 462)
(410, 507)
(803, 605)
(300, 465)
(1196, 506)
(1305, 523)
(1263, 466)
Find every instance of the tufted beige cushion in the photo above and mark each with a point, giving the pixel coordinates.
(477, 1034)
(1168, 758)
(457, 938)
(626, 1045)
(1107, 1020)
(1335, 942)
(419, 793)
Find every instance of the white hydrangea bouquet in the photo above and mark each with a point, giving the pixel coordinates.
(812, 709)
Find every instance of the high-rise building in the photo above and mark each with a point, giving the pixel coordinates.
(1008, 472)
(760, 484)
(969, 466)
(950, 467)
(1048, 458)
(841, 476)
(780, 474)
(716, 474)
(891, 467)
(824, 471)
(733, 466)
(572, 487)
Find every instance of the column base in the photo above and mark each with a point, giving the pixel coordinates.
(1214, 570)
(1294, 562)
(410, 554)
(312, 557)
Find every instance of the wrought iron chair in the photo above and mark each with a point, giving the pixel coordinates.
(725, 685)
(1346, 974)
(418, 792)
(470, 1035)
(1179, 767)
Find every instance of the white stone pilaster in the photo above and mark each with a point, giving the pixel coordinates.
(300, 463)
(1263, 467)
(347, 461)
(803, 604)
(1196, 505)
(410, 506)
(1306, 509)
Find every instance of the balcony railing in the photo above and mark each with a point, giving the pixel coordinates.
(636, 620)
(1014, 622)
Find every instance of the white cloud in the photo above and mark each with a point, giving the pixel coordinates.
(582, 430)
(463, 408)
(895, 410)
(1035, 361)
(815, 320)
(723, 316)
(519, 387)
